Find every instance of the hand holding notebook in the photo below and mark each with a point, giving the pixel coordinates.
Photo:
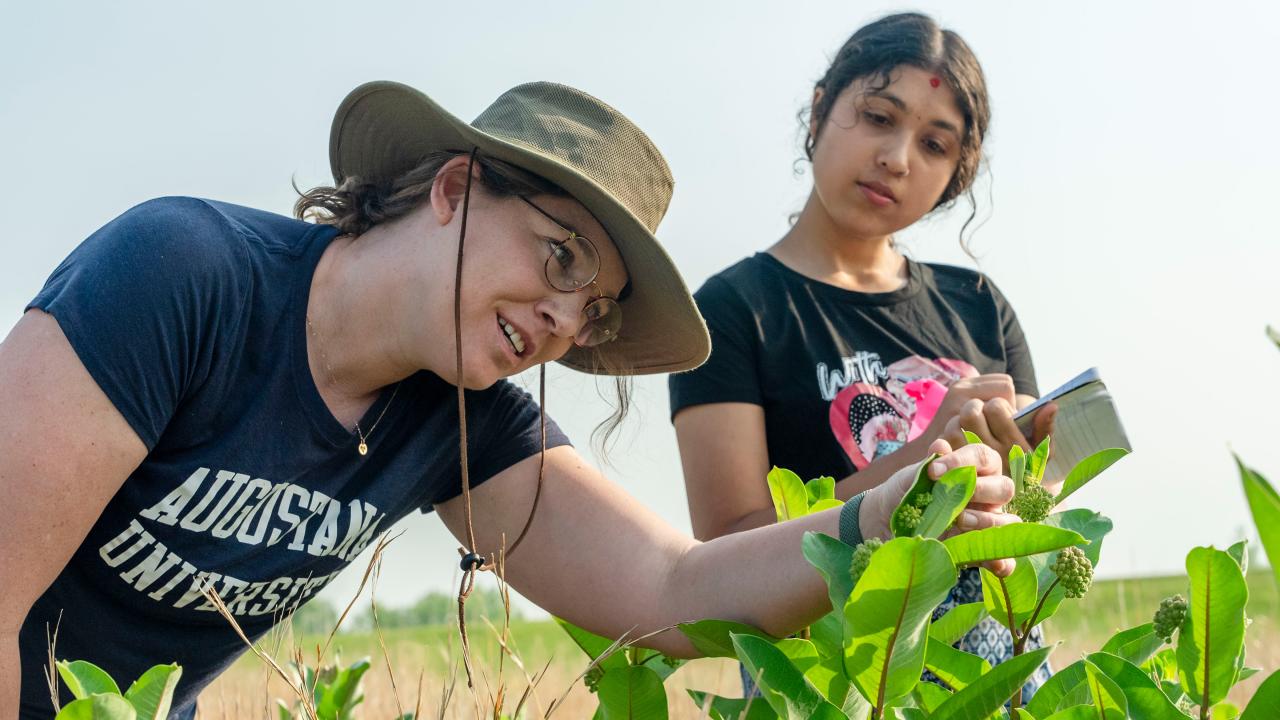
(1087, 422)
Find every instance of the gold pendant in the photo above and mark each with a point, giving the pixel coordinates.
(364, 449)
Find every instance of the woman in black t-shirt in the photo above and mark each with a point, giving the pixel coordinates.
(832, 353)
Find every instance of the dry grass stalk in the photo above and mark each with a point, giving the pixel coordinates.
(376, 564)
(51, 672)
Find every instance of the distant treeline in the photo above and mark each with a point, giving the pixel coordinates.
(435, 608)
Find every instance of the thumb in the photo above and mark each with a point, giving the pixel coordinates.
(940, 447)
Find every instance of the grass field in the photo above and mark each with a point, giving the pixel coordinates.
(428, 655)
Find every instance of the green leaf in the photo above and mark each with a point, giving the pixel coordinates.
(1137, 644)
(1264, 503)
(1274, 335)
(781, 684)
(713, 638)
(593, 645)
(1240, 553)
(823, 505)
(1018, 467)
(98, 706)
(1087, 469)
(923, 484)
(1163, 665)
(1265, 704)
(826, 673)
(1015, 596)
(1212, 636)
(989, 693)
(827, 634)
(83, 679)
(1008, 541)
(1104, 693)
(632, 692)
(1146, 701)
(152, 693)
(1021, 714)
(340, 695)
(928, 696)
(723, 708)
(659, 664)
(282, 710)
(832, 558)
(1094, 528)
(819, 489)
(951, 493)
(1224, 711)
(1084, 712)
(887, 616)
(905, 713)
(957, 623)
(971, 438)
(1049, 698)
(957, 668)
(1039, 459)
(790, 499)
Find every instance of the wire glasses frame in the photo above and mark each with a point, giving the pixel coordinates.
(572, 266)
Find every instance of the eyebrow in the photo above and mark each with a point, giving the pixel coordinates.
(902, 106)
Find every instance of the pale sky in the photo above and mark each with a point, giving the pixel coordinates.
(1129, 197)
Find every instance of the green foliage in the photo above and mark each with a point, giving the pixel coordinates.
(1033, 504)
(1264, 503)
(1074, 571)
(1088, 469)
(930, 506)
(1265, 704)
(862, 558)
(98, 696)
(989, 693)
(1169, 617)
(1211, 638)
(634, 691)
(1006, 541)
(432, 609)
(793, 498)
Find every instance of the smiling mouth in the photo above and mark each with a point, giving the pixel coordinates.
(513, 337)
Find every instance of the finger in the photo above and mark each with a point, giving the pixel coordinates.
(1043, 422)
(973, 519)
(939, 447)
(953, 434)
(973, 419)
(998, 414)
(995, 385)
(993, 490)
(983, 458)
(1002, 568)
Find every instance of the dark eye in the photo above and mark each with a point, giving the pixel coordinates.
(562, 253)
(876, 118)
(935, 147)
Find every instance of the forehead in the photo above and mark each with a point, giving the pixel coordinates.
(573, 215)
(911, 89)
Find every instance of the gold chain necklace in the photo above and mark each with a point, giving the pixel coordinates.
(363, 447)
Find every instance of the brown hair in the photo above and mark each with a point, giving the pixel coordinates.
(913, 39)
(355, 206)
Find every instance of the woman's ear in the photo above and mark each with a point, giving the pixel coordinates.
(813, 114)
(449, 188)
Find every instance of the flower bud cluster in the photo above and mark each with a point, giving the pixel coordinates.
(862, 557)
(1173, 610)
(1033, 504)
(910, 516)
(592, 678)
(1074, 571)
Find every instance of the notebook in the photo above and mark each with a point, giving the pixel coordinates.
(1087, 422)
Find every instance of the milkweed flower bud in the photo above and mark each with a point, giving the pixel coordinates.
(909, 516)
(592, 678)
(1033, 504)
(922, 500)
(1173, 610)
(862, 557)
(1074, 571)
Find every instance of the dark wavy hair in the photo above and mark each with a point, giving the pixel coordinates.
(354, 206)
(916, 40)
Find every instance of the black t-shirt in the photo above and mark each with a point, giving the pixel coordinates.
(190, 315)
(829, 365)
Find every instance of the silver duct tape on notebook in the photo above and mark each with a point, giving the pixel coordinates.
(1087, 422)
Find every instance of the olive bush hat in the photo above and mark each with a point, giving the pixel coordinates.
(384, 129)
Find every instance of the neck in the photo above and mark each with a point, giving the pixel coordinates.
(819, 248)
(352, 334)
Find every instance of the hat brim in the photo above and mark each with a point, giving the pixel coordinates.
(384, 129)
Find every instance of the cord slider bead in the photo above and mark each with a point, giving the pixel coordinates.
(471, 561)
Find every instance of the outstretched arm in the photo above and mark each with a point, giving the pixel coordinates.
(66, 450)
(596, 557)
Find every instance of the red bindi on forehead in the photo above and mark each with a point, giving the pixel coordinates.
(935, 81)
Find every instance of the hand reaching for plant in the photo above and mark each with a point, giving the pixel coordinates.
(985, 509)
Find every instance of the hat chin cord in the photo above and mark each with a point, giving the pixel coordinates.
(472, 561)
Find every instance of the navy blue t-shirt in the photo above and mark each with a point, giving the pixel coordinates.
(190, 315)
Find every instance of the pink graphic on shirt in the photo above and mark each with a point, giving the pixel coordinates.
(869, 421)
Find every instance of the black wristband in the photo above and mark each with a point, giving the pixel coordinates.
(850, 530)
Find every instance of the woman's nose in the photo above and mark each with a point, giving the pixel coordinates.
(894, 155)
(563, 313)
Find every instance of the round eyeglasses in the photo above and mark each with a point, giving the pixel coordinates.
(572, 266)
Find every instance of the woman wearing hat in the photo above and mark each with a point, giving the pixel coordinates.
(209, 396)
